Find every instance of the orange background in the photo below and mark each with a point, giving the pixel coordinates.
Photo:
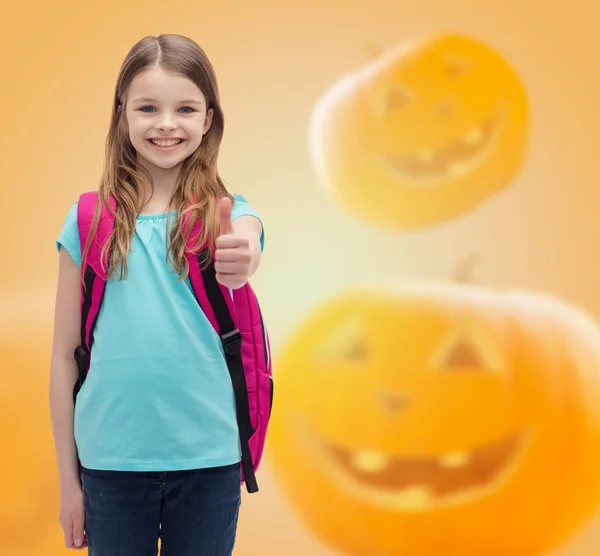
(273, 60)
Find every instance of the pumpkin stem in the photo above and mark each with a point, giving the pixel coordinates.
(463, 271)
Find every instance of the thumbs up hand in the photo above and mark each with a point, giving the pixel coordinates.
(233, 255)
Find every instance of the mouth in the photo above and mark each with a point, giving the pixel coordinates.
(420, 483)
(166, 145)
(453, 160)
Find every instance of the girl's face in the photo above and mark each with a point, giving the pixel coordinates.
(167, 117)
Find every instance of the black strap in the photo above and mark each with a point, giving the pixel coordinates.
(232, 343)
(82, 352)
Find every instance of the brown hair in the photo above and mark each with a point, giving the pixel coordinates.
(198, 187)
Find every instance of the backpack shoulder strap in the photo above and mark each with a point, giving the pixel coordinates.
(93, 273)
(218, 306)
(85, 215)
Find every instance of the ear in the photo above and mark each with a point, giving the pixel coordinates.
(208, 120)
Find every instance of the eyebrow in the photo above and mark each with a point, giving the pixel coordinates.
(189, 101)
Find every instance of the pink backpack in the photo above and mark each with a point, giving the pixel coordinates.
(237, 321)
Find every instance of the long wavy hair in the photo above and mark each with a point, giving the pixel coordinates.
(198, 187)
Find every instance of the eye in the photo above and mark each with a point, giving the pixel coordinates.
(463, 355)
(455, 66)
(397, 98)
(346, 344)
(468, 350)
(143, 109)
(187, 108)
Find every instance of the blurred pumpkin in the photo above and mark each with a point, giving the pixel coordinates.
(425, 133)
(29, 503)
(440, 419)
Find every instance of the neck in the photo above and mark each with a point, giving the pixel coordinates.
(164, 180)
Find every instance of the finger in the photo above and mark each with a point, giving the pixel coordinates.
(226, 255)
(229, 268)
(232, 241)
(233, 255)
(68, 529)
(82, 547)
(224, 214)
(78, 536)
(230, 281)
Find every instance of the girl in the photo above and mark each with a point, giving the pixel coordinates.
(154, 426)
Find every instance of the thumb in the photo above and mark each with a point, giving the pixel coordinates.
(224, 215)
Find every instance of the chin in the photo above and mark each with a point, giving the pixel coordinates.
(163, 163)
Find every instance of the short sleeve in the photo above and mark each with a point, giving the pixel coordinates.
(242, 208)
(69, 236)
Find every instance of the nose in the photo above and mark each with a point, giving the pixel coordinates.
(447, 107)
(166, 123)
(392, 402)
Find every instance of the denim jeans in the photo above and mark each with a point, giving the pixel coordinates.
(194, 513)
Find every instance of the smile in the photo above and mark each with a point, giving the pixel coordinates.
(450, 161)
(420, 483)
(166, 145)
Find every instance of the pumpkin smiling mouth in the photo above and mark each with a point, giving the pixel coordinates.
(450, 161)
(420, 483)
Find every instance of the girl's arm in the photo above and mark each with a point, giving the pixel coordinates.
(63, 369)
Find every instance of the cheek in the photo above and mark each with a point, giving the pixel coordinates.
(194, 132)
(135, 130)
(195, 127)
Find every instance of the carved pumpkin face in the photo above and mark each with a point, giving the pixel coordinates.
(438, 420)
(29, 509)
(424, 134)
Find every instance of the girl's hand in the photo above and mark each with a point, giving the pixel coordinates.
(72, 517)
(233, 256)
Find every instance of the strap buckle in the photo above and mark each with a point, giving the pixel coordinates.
(81, 357)
(232, 342)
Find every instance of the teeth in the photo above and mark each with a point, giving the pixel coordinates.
(375, 462)
(415, 498)
(166, 143)
(455, 459)
(474, 136)
(370, 462)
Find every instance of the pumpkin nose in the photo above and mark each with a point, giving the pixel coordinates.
(392, 402)
(447, 107)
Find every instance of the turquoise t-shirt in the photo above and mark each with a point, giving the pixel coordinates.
(158, 395)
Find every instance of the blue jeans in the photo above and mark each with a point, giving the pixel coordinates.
(194, 513)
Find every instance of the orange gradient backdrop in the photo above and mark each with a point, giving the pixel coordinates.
(274, 60)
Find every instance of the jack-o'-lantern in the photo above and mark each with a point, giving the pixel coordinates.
(425, 133)
(440, 419)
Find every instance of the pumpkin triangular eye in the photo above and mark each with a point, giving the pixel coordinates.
(356, 351)
(348, 343)
(397, 98)
(455, 65)
(463, 354)
(468, 348)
